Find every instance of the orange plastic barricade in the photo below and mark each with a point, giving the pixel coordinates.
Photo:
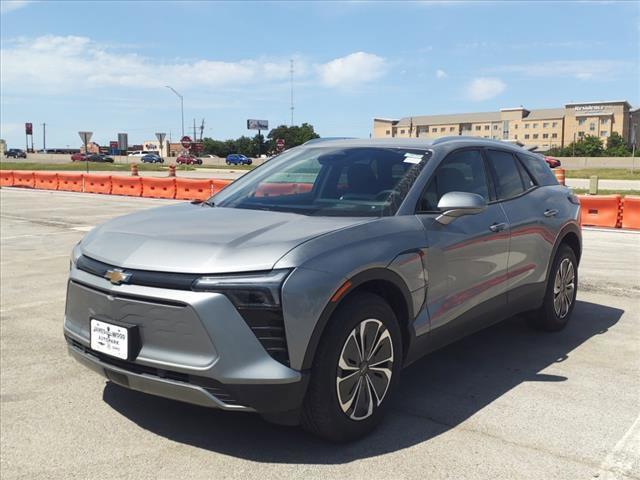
(97, 184)
(600, 210)
(70, 182)
(46, 180)
(121, 185)
(218, 184)
(6, 178)
(24, 179)
(191, 189)
(631, 212)
(158, 187)
(560, 175)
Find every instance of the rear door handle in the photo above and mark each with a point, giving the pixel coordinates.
(550, 213)
(498, 227)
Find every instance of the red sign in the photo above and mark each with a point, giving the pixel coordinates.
(113, 145)
(28, 128)
(280, 144)
(186, 141)
(198, 146)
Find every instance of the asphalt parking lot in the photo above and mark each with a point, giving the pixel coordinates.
(506, 403)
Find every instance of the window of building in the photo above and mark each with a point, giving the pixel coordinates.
(487, 127)
(526, 125)
(554, 124)
(535, 125)
(495, 127)
(604, 133)
(581, 121)
(478, 127)
(434, 130)
(545, 125)
(486, 136)
(604, 121)
(526, 136)
(515, 126)
(581, 134)
(554, 135)
(401, 132)
(495, 137)
(515, 136)
(535, 136)
(545, 135)
(592, 127)
(452, 129)
(442, 129)
(388, 132)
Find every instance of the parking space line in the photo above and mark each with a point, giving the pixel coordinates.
(620, 461)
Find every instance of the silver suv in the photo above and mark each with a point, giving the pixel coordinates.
(302, 289)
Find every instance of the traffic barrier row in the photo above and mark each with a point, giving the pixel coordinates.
(152, 187)
(611, 211)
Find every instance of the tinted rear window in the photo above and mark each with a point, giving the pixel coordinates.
(506, 171)
(539, 169)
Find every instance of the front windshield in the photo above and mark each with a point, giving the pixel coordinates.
(329, 181)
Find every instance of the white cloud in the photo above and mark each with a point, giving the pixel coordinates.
(441, 74)
(580, 69)
(7, 6)
(354, 69)
(63, 64)
(484, 88)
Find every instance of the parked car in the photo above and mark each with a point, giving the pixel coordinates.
(15, 153)
(141, 153)
(238, 159)
(79, 157)
(305, 303)
(152, 158)
(552, 162)
(189, 160)
(99, 157)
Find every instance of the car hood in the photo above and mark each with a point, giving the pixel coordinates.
(192, 238)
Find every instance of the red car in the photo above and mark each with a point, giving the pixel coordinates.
(553, 162)
(78, 157)
(189, 160)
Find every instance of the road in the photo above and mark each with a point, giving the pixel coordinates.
(506, 403)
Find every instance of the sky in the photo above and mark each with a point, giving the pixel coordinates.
(103, 66)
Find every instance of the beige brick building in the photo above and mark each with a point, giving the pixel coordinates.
(542, 128)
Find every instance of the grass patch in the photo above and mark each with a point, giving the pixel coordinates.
(605, 173)
(585, 191)
(226, 167)
(93, 167)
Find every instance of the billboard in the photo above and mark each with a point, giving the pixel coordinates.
(28, 128)
(257, 124)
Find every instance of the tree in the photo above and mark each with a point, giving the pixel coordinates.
(293, 136)
(616, 146)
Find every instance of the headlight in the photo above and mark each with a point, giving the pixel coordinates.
(246, 291)
(75, 254)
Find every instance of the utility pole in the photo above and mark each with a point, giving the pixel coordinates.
(195, 138)
(291, 74)
(181, 105)
(44, 138)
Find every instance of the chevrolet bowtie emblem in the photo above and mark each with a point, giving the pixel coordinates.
(117, 276)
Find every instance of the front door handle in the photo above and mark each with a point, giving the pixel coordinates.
(498, 227)
(550, 212)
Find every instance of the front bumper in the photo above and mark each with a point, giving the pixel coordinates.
(196, 348)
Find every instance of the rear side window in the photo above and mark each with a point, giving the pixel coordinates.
(509, 181)
(461, 171)
(539, 169)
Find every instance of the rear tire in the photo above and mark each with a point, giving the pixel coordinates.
(560, 295)
(350, 386)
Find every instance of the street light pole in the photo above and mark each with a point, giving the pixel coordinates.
(44, 138)
(181, 105)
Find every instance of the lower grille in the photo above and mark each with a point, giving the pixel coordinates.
(212, 386)
(268, 327)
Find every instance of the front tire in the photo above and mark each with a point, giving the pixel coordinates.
(357, 367)
(560, 296)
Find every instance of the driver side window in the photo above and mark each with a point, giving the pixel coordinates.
(461, 171)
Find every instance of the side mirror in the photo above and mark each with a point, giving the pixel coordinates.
(459, 204)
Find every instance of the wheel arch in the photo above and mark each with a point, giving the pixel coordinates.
(379, 281)
(569, 235)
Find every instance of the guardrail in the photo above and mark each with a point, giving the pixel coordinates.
(611, 211)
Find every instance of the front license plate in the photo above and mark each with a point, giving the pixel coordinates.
(110, 339)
